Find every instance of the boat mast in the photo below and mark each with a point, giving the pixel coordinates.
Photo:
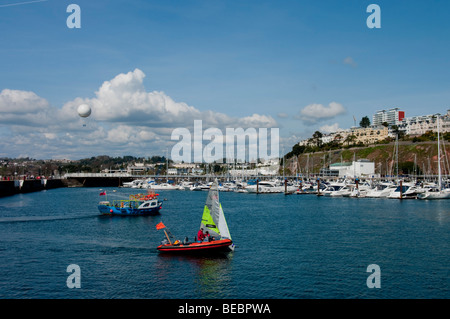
(439, 156)
(167, 236)
(396, 155)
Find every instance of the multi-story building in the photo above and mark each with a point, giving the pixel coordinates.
(370, 135)
(392, 117)
(365, 135)
(418, 125)
(414, 126)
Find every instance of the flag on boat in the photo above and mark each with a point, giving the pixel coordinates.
(102, 193)
(160, 225)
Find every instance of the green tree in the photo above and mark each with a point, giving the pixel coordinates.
(365, 122)
(350, 139)
(317, 137)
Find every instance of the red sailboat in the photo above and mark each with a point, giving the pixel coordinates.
(213, 221)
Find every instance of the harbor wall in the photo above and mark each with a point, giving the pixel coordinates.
(8, 188)
(97, 181)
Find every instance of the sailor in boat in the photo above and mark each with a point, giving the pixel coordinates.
(213, 220)
(200, 235)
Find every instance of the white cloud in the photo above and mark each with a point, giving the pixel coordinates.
(330, 128)
(125, 100)
(314, 113)
(17, 102)
(125, 119)
(23, 108)
(350, 61)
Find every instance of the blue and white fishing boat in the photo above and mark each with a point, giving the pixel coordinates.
(139, 204)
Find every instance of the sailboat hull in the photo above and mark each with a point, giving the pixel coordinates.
(210, 246)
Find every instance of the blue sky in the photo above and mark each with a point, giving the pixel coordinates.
(230, 63)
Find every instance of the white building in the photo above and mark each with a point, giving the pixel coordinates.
(418, 125)
(392, 117)
(360, 168)
(172, 171)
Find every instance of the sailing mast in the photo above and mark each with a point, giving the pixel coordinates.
(439, 156)
(396, 155)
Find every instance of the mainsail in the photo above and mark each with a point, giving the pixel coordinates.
(213, 219)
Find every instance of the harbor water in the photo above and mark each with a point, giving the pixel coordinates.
(287, 247)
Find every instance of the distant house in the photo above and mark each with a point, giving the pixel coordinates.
(172, 171)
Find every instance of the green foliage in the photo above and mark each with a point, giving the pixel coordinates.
(365, 122)
(315, 146)
(407, 168)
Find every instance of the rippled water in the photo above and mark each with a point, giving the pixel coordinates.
(297, 246)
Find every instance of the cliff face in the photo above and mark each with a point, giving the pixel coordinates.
(424, 154)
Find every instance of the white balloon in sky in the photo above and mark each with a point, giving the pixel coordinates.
(84, 110)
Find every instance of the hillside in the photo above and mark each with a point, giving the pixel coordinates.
(424, 154)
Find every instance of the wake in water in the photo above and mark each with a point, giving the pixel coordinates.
(21, 219)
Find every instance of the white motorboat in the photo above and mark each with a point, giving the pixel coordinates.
(381, 190)
(406, 190)
(162, 186)
(332, 188)
(133, 184)
(200, 187)
(264, 187)
(227, 187)
(435, 193)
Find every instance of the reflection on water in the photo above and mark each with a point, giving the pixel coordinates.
(210, 274)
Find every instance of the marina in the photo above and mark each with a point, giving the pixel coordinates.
(335, 187)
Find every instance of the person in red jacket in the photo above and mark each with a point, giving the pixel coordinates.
(200, 235)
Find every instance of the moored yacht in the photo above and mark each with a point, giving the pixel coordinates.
(405, 191)
(264, 187)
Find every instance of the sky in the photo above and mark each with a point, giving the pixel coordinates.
(148, 67)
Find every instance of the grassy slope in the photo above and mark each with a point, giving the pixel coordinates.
(424, 152)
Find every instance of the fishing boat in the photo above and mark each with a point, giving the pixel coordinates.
(213, 221)
(138, 204)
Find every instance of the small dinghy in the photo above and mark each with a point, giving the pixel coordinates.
(213, 221)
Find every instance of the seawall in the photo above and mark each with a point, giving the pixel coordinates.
(8, 188)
